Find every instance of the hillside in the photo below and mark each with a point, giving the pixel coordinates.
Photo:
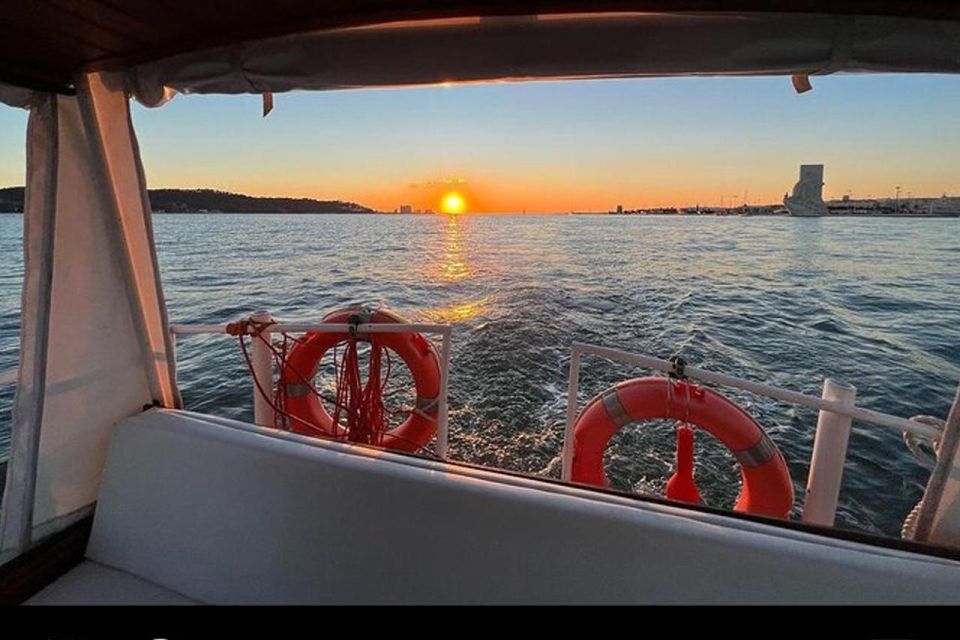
(211, 201)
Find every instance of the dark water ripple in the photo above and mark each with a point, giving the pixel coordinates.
(777, 300)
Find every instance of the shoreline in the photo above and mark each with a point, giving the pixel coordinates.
(936, 216)
(613, 214)
(772, 215)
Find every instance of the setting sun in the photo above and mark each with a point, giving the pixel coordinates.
(453, 202)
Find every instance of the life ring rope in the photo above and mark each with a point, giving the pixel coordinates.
(367, 418)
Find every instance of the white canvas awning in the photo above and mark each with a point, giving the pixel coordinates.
(529, 48)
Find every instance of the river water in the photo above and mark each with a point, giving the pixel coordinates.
(785, 301)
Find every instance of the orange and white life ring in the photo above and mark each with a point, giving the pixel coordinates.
(307, 413)
(767, 487)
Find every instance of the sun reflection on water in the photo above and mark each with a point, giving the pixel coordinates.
(453, 264)
(461, 311)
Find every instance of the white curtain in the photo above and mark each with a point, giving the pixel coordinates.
(95, 345)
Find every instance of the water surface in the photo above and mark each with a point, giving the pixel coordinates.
(874, 302)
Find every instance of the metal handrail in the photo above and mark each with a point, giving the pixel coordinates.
(833, 426)
(794, 397)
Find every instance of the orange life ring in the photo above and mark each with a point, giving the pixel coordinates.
(417, 353)
(767, 487)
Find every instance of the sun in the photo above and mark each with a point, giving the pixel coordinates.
(454, 203)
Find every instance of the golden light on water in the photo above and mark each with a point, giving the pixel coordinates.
(460, 312)
(453, 265)
(448, 256)
(453, 203)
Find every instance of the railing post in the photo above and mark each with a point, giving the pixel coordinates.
(262, 361)
(829, 454)
(573, 389)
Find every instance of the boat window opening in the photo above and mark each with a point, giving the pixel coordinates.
(662, 148)
(777, 237)
(433, 121)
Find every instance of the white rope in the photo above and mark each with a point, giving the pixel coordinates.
(913, 442)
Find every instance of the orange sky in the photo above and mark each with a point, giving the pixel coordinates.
(500, 194)
(545, 147)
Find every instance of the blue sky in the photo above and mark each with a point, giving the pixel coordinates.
(556, 145)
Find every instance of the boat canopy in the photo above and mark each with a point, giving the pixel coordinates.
(551, 47)
(95, 346)
(249, 46)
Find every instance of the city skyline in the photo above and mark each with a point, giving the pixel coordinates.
(550, 147)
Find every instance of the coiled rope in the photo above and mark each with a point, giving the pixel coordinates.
(359, 412)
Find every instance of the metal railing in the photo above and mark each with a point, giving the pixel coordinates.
(836, 405)
(837, 412)
(262, 360)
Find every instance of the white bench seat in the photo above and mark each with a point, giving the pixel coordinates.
(223, 512)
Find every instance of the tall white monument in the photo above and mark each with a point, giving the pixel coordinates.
(807, 197)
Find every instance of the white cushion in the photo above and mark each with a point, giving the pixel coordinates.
(224, 512)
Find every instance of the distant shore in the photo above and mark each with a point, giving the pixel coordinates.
(762, 215)
(201, 201)
(210, 201)
(943, 206)
(915, 216)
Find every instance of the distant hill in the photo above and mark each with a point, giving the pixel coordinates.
(212, 201)
(209, 200)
